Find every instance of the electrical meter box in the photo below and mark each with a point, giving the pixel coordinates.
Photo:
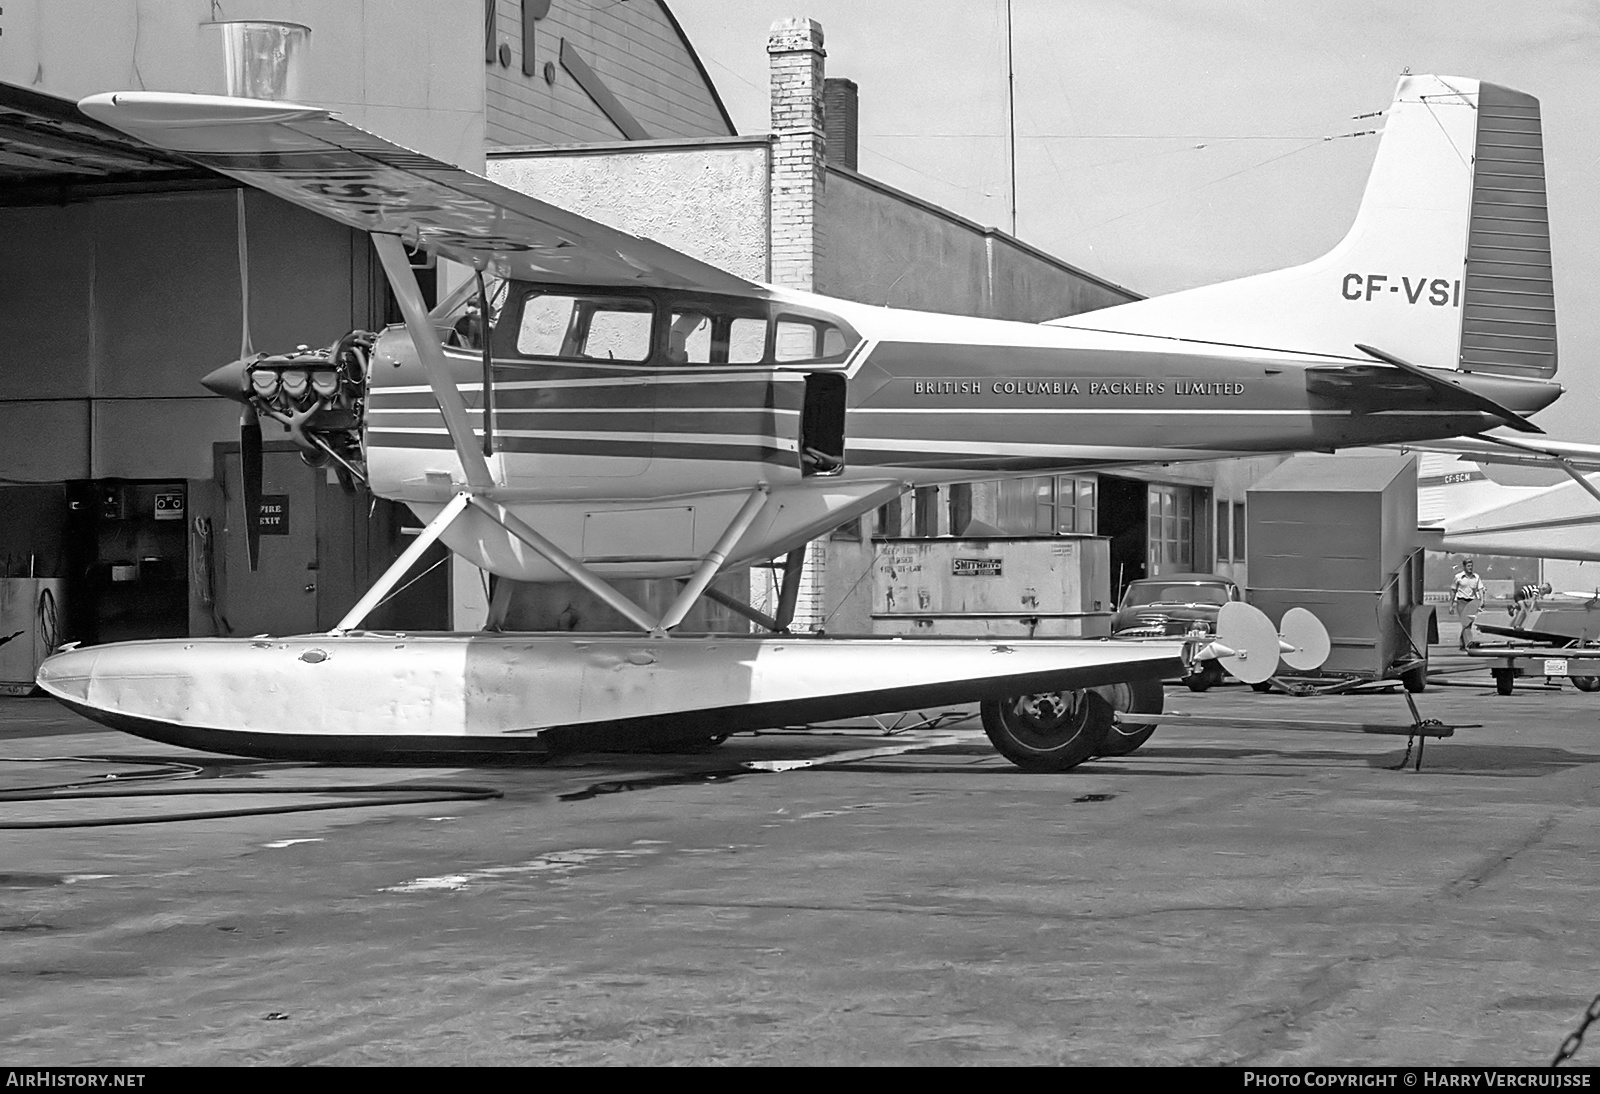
(1013, 587)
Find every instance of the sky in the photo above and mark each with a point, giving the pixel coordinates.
(1164, 145)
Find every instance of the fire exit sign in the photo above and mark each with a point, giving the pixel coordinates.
(274, 514)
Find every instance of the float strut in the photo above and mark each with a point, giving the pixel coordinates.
(789, 590)
(401, 565)
(714, 558)
(568, 565)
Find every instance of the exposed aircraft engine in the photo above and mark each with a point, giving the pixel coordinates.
(318, 396)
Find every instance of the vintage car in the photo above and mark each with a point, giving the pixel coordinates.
(1176, 605)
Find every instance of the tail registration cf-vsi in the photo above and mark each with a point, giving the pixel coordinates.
(594, 406)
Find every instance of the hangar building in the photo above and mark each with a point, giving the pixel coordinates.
(124, 285)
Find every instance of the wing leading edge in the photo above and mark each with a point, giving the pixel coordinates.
(307, 156)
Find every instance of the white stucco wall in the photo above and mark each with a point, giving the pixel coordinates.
(709, 199)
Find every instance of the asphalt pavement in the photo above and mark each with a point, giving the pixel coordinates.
(1244, 891)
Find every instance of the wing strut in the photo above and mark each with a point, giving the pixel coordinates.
(714, 559)
(407, 559)
(1554, 457)
(430, 352)
(710, 565)
(568, 565)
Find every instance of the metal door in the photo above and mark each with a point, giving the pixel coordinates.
(280, 597)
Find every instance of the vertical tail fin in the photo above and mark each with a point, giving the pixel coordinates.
(1447, 263)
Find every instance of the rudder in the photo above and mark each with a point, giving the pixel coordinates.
(1447, 262)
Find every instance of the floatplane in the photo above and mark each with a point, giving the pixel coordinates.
(591, 406)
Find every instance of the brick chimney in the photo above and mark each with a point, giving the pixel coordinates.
(840, 107)
(794, 49)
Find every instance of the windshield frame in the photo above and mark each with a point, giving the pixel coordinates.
(1228, 589)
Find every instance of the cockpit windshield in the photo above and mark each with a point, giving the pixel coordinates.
(458, 318)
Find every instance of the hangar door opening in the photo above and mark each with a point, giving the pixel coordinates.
(1155, 528)
(1123, 514)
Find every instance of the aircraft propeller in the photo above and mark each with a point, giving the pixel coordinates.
(232, 381)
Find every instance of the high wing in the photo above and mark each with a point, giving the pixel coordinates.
(1551, 522)
(310, 158)
(1569, 456)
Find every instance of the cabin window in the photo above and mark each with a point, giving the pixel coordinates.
(795, 341)
(657, 328)
(689, 338)
(747, 341)
(618, 335)
(595, 328)
(808, 340)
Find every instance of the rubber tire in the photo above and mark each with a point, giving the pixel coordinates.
(1135, 697)
(1585, 683)
(1263, 686)
(1504, 680)
(1416, 679)
(1209, 675)
(1052, 731)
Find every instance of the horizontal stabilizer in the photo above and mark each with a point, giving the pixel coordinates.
(1453, 387)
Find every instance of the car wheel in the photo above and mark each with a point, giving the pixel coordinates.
(1504, 680)
(1208, 675)
(1131, 697)
(1049, 731)
(1416, 679)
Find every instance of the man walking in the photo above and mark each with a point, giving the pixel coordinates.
(1466, 595)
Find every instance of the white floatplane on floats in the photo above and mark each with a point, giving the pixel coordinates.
(595, 406)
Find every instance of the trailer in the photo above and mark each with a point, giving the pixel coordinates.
(1579, 664)
(1559, 641)
(1336, 535)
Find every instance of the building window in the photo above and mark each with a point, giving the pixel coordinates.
(1047, 505)
(1171, 529)
(925, 512)
(890, 522)
(1230, 531)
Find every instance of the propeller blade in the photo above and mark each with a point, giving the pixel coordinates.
(250, 471)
